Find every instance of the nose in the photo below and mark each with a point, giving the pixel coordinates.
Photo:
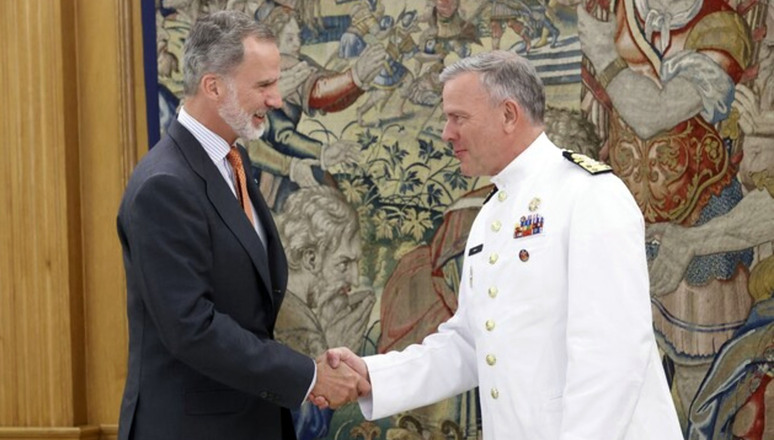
(447, 133)
(353, 275)
(274, 97)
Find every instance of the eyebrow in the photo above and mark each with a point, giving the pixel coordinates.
(347, 258)
(456, 112)
(267, 82)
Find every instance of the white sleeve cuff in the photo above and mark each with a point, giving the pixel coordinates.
(366, 404)
(314, 382)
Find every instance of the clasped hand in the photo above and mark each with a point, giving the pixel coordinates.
(342, 377)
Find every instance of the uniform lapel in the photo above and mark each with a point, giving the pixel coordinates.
(223, 200)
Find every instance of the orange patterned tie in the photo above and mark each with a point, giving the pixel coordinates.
(235, 159)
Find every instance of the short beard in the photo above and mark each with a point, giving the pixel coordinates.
(320, 293)
(239, 120)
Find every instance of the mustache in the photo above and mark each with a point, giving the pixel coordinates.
(321, 293)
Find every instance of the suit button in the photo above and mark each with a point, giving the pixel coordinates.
(493, 291)
(491, 359)
(501, 196)
(490, 325)
(263, 395)
(495, 393)
(493, 258)
(496, 225)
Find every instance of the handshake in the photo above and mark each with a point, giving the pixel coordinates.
(342, 377)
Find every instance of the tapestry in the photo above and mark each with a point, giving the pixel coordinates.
(676, 95)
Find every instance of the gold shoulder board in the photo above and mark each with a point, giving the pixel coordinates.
(587, 163)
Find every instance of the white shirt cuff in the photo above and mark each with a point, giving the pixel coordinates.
(314, 382)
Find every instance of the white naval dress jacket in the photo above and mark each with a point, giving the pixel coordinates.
(554, 326)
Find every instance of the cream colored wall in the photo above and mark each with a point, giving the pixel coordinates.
(72, 126)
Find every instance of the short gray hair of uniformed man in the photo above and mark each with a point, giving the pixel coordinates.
(215, 45)
(504, 75)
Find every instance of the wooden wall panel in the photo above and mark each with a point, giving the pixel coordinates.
(39, 225)
(8, 408)
(72, 71)
(107, 141)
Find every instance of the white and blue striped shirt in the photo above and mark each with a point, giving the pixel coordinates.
(217, 148)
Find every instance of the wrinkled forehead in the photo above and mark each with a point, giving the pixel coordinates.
(349, 247)
(464, 92)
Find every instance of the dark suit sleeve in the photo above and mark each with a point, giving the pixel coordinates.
(170, 247)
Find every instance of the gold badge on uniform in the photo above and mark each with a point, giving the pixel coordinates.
(592, 166)
(534, 204)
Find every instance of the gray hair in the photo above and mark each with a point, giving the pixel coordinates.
(504, 75)
(214, 45)
(315, 219)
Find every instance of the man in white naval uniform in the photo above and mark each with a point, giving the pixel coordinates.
(554, 320)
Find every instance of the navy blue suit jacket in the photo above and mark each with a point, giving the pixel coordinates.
(202, 297)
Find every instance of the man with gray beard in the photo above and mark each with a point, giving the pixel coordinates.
(321, 234)
(322, 244)
(205, 268)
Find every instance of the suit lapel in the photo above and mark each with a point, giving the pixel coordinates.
(223, 200)
(274, 249)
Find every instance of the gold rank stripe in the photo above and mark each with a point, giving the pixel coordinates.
(587, 163)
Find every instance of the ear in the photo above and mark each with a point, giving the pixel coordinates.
(212, 86)
(511, 115)
(309, 261)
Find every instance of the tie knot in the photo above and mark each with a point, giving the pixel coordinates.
(234, 158)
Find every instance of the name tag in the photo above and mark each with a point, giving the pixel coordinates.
(475, 249)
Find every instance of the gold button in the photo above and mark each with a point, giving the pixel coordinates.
(496, 225)
(491, 359)
(493, 259)
(490, 325)
(501, 196)
(495, 393)
(493, 291)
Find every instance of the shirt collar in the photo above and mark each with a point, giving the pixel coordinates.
(215, 146)
(525, 165)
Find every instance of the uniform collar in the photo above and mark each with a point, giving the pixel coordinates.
(525, 165)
